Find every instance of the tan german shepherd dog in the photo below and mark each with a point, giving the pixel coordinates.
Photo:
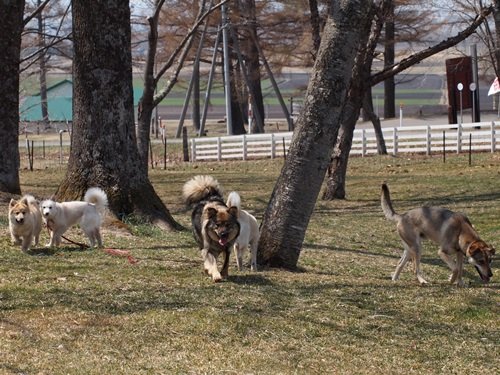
(452, 231)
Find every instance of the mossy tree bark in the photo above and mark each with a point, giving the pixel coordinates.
(11, 27)
(104, 149)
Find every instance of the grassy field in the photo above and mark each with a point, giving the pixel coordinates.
(68, 311)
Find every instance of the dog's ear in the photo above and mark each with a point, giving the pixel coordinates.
(471, 249)
(233, 210)
(211, 212)
(492, 250)
(12, 203)
(476, 246)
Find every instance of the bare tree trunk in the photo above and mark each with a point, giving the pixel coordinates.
(251, 53)
(496, 17)
(146, 103)
(377, 127)
(43, 69)
(315, 26)
(11, 26)
(389, 83)
(335, 183)
(236, 86)
(337, 169)
(292, 201)
(104, 150)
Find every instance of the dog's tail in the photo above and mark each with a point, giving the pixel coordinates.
(386, 203)
(97, 197)
(234, 200)
(200, 188)
(30, 199)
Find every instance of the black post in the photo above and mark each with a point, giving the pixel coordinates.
(185, 149)
(470, 149)
(165, 151)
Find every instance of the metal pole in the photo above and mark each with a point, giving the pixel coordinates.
(476, 112)
(227, 72)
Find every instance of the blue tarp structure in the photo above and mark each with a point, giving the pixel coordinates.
(59, 103)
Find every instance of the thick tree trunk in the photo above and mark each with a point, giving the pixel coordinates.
(337, 169)
(294, 196)
(104, 151)
(11, 26)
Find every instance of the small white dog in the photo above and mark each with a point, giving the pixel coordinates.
(25, 221)
(249, 233)
(89, 213)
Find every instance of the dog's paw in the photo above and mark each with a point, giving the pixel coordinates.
(217, 277)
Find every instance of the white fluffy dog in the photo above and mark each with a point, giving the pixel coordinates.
(25, 221)
(249, 233)
(89, 213)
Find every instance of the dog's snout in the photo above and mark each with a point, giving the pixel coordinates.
(20, 220)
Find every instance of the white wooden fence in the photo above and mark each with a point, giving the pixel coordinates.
(483, 136)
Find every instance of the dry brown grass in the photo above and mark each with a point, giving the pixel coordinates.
(87, 312)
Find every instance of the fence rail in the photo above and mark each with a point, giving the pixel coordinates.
(483, 136)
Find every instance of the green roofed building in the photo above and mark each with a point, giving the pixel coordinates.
(59, 103)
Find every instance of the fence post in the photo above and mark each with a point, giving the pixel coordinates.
(395, 141)
(444, 146)
(363, 142)
(244, 141)
(219, 149)
(60, 146)
(428, 139)
(459, 138)
(493, 137)
(273, 146)
(193, 149)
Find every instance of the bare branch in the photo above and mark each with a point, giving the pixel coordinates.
(35, 12)
(187, 39)
(417, 57)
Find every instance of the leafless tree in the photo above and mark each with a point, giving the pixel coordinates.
(292, 201)
(335, 185)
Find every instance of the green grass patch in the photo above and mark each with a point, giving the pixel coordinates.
(69, 311)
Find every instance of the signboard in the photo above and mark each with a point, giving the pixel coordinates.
(494, 88)
(458, 70)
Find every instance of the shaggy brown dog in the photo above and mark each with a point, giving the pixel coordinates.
(215, 226)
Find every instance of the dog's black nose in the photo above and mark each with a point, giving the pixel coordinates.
(20, 221)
